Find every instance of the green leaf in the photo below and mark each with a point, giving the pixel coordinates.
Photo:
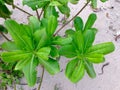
(21, 34)
(51, 65)
(68, 51)
(63, 2)
(79, 41)
(103, 0)
(95, 58)
(4, 11)
(9, 46)
(89, 68)
(50, 10)
(35, 4)
(62, 41)
(43, 53)
(34, 23)
(94, 3)
(10, 2)
(41, 38)
(69, 32)
(75, 70)
(90, 21)
(22, 63)
(55, 3)
(64, 9)
(14, 56)
(78, 24)
(103, 48)
(74, 1)
(30, 71)
(89, 37)
(52, 25)
(54, 52)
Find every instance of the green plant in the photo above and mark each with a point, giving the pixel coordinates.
(37, 42)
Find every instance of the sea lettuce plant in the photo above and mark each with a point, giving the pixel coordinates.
(38, 43)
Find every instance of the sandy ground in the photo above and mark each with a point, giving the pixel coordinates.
(108, 24)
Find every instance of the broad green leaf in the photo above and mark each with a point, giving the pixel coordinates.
(89, 37)
(14, 56)
(75, 70)
(41, 38)
(55, 3)
(78, 24)
(54, 52)
(50, 10)
(9, 46)
(103, 48)
(51, 65)
(52, 25)
(22, 63)
(68, 51)
(90, 21)
(94, 3)
(4, 11)
(3, 29)
(30, 71)
(43, 53)
(62, 41)
(34, 23)
(64, 9)
(89, 68)
(78, 40)
(95, 58)
(74, 1)
(35, 4)
(21, 34)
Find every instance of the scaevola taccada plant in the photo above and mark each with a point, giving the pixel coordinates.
(82, 51)
(36, 43)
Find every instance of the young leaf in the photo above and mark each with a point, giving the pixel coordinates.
(89, 37)
(69, 32)
(54, 52)
(90, 22)
(43, 53)
(67, 51)
(30, 72)
(78, 41)
(51, 65)
(95, 58)
(103, 0)
(52, 25)
(78, 23)
(75, 71)
(103, 48)
(14, 56)
(55, 3)
(89, 68)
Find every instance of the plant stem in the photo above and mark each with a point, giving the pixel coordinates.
(41, 13)
(72, 18)
(4, 36)
(37, 14)
(22, 10)
(41, 78)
